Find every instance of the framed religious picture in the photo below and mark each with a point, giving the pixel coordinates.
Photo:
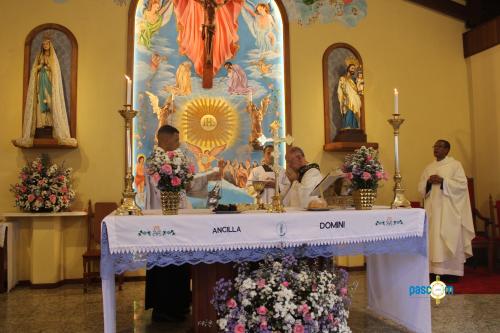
(344, 88)
(49, 98)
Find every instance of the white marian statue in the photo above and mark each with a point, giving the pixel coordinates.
(45, 105)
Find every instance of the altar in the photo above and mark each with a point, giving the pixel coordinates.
(394, 241)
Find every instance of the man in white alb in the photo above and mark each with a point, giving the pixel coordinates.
(444, 187)
(302, 178)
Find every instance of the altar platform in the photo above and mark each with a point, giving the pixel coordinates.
(394, 241)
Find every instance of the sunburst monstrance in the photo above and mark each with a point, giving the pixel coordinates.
(209, 122)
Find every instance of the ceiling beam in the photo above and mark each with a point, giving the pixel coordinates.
(447, 7)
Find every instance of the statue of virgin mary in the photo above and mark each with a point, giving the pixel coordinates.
(45, 106)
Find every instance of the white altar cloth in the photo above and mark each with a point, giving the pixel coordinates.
(389, 274)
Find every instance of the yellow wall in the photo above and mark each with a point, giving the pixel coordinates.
(403, 45)
(484, 87)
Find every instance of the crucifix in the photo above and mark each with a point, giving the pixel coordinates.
(277, 207)
(207, 34)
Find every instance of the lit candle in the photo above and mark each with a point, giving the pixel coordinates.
(129, 90)
(396, 106)
(251, 97)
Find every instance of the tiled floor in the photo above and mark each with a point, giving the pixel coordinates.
(67, 309)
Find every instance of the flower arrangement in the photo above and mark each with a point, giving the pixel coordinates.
(363, 169)
(43, 186)
(170, 170)
(284, 295)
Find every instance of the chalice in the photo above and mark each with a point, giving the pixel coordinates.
(258, 186)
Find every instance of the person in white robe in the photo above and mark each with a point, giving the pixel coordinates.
(168, 288)
(443, 186)
(302, 178)
(265, 173)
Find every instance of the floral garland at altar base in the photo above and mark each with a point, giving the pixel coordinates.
(43, 187)
(171, 173)
(283, 295)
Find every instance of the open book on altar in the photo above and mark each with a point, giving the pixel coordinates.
(326, 182)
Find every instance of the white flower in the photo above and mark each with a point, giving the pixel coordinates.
(222, 323)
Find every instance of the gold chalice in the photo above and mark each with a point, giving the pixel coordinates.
(259, 186)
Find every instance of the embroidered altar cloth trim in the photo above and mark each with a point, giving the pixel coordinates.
(192, 231)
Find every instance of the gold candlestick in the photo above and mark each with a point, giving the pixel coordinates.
(399, 193)
(128, 206)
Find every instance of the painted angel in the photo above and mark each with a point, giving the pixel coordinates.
(162, 113)
(156, 14)
(262, 26)
(205, 158)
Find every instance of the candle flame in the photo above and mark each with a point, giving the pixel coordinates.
(395, 91)
(128, 79)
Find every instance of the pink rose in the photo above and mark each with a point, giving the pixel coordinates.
(285, 284)
(64, 189)
(170, 154)
(40, 199)
(231, 303)
(39, 167)
(366, 176)
(348, 175)
(261, 283)
(156, 177)
(343, 291)
(379, 174)
(167, 168)
(385, 176)
(23, 176)
(65, 199)
(61, 178)
(369, 158)
(298, 328)
(262, 310)
(23, 189)
(239, 328)
(176, 181)
(303, 308)
(53, 198)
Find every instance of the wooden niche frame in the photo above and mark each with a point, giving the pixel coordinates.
(337, 60)
(67, 52)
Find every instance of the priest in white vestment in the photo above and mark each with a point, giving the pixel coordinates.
(302, 178)
(265, 173)
(444, 187)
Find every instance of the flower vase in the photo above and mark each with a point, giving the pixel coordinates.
(364, 198)
(170, 202)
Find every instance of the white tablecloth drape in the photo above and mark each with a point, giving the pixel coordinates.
(395, 242)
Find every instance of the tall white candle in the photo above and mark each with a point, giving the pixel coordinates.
(396, 102)
(251, 97)
(129, 90)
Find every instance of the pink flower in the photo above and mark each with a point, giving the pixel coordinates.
(263, 324)
(239, 328)
(308, 317)
(298, 328)
(167, 168)
(285, 284)
(23, 189)
(64, 189)
(170, 155)
(191, 168)
(53, 198)
(61, 178)
(231, 303)
(343, 291)
(330, 317)
(24, 176)
(385, 176)
(369, 158)
(176, 181)
(65, 199)
(261, 283)
(262, 310)
(379, 174)
(156, 177)
(303, 308)
(39, 167)
(366, 176)
(348, 175)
